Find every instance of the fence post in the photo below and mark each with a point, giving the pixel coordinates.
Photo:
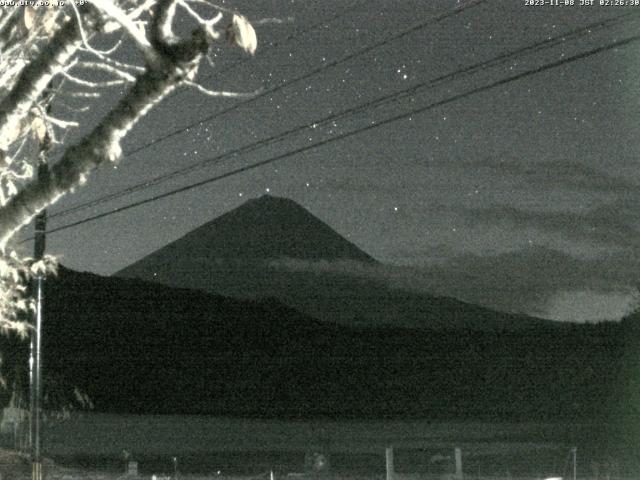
(132, 468)
(389, 458)
(458, 454)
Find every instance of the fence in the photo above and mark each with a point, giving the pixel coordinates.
(205, 446)
(388, 464)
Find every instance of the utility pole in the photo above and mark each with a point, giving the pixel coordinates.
(35, 362)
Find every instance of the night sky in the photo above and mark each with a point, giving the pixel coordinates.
(522, 197)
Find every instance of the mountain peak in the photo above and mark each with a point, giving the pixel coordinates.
(270, 198)
(270, 227)
(261, 229)
(272, 202)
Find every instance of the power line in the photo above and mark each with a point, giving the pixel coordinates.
(387, 121)
(222, 72)
(539, 46)
(307, 75)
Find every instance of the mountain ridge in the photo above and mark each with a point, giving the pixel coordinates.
(237, 255)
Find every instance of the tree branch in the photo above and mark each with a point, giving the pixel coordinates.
(35, 77)
(179, 62)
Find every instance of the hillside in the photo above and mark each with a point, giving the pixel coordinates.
(140, 347)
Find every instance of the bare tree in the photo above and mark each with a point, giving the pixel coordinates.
(48, 54)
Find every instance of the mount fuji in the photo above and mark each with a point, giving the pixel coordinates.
(272, 247)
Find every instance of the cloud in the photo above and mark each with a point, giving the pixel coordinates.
(388, 185)
(534, 280)
(608, 225)
(561, 174)
(586, 305)
(528, 279)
